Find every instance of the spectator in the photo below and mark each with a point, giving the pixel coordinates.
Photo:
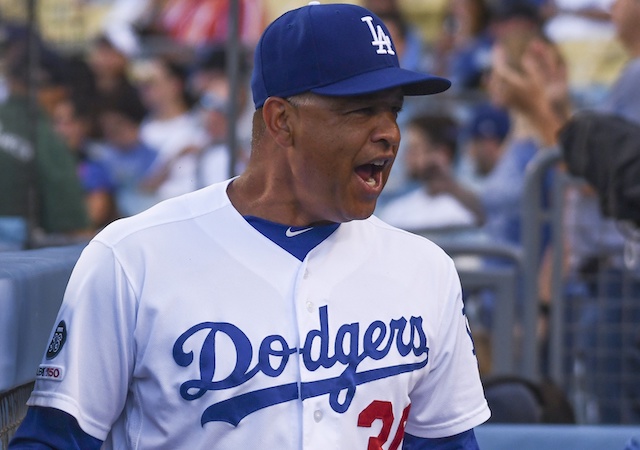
(409, 46)
(169, 126)
(110, 68)
(594, 274)
(209, 69)
(129, 161)
(209, 80)
(595, 261)
(382, 7)
(624, 96)
(516, 16)
(412, 56)
(214, 159)
(56, 74)
(528, 78)
(38, 181)
(440, 202)
(586, 35)
(72, 121)
(463, 49)
(483, 142)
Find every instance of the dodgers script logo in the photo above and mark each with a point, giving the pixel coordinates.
(346, 348)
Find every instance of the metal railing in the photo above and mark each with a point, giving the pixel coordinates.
(534, 217)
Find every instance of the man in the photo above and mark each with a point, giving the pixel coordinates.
(128, 160)
(597, 249)
(38, 177)
(597, 283)
(439, 202)
(271, 310)
(623, 98)
(170, 126)
(485, 133)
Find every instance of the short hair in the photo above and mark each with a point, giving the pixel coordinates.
(130, 107)
(440, 129)
(180, 72)
(303, 99)
(505, 10)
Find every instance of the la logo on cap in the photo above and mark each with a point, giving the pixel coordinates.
(380, 38)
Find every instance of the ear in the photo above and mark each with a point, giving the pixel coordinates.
(277, 114)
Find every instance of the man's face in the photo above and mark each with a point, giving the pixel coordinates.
(73, 129)
(157, 86)
(423, 158)
(118, 130)
(625, 15)
(342, 152)
(107, 61)
(486, 152)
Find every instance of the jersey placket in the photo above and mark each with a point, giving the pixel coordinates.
(310, 296)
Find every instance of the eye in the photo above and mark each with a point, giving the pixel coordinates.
(366, 111)
(396, 110)
(372, 110)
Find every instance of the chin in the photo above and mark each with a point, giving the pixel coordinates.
(362, 213)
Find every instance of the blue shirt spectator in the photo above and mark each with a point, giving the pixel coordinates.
(129, 161)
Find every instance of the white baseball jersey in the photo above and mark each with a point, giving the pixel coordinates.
(184, 327)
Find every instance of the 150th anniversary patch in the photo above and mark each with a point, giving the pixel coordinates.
(57, 341)
(46, 372)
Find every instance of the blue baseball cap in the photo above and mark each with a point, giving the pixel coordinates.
(490, 122)
(334, 50)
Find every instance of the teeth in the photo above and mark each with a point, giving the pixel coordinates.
(378, 163)
(371, 182)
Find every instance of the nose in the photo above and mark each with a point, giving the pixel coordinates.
(387, 130)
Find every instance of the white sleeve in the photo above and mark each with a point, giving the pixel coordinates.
(87, 372)
(450, 398)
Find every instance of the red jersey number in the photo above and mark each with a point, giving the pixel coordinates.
(382, 410)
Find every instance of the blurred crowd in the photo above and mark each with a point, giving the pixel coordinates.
(147, 111)
(143, 110)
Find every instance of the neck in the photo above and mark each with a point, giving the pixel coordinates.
(266, 190)
(256, 193)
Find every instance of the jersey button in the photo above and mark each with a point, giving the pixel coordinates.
(317, 415)
(310, 306)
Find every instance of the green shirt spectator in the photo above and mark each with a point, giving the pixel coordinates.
(45, 164)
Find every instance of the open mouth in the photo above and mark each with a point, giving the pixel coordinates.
(371, 173)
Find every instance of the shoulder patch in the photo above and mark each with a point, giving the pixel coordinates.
(46, 372)
(57, 341)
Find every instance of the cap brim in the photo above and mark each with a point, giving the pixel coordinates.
(412, 83)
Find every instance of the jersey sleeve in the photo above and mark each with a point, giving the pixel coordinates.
(88, 365)
(48, 428)
(463, 441)
(450, 398)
